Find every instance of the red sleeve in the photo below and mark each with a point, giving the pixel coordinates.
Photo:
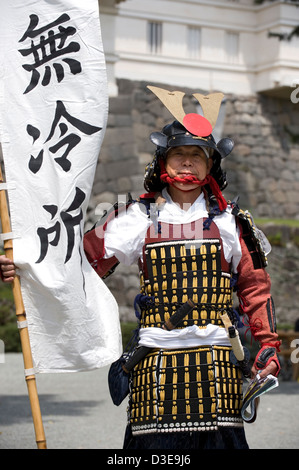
(254, 291)
(94, 249)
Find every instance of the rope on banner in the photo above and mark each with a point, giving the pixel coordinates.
(21, 316)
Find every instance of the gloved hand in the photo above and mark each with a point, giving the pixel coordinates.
(266, 361)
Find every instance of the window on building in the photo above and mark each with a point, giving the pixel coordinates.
(232, 47)
(154, 35)
(194, 42)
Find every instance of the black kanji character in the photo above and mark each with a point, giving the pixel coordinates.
(71, 140)
(44, 233)
(48, 49)
(69, 221)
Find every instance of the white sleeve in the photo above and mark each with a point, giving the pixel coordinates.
(125, 234)
(229, 233)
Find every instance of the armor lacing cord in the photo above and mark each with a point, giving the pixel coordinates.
(147, 301)
(209, 220)
(142, 301)
(254, 328)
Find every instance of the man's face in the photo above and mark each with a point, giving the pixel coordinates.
(187, 160)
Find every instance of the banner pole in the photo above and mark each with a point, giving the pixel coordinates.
(23, 329)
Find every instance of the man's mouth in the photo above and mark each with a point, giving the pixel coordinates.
(185, 173)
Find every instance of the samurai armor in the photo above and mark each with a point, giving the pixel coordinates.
(196, 389)
(176, 269)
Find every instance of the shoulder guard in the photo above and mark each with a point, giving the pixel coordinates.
(256, 241)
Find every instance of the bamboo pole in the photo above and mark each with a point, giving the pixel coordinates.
(24, 335)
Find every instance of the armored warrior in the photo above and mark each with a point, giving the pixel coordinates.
(193, 248)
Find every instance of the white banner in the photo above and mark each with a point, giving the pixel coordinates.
(54, 107)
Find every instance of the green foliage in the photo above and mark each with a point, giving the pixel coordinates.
(285, 326)
(286, 222)
(276, 240)
(127, 329)
(9, 332)
(7, 314)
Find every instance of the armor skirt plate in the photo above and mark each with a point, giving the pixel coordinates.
(196, 389)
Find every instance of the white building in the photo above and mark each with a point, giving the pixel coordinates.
(202, 44)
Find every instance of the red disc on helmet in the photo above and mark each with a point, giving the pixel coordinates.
(197, 125)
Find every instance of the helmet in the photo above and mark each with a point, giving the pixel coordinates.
(188, 129)
(175, 135)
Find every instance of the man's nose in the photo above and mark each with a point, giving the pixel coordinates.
(187, 161)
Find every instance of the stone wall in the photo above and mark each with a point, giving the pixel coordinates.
(283, 268)
(263, 170)
(264, 165)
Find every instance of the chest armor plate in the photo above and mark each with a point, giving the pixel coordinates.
(185, 262)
